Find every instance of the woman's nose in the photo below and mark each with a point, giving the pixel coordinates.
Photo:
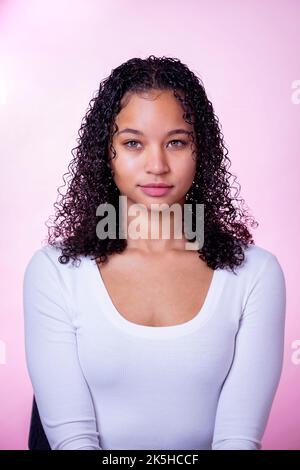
(156, 162)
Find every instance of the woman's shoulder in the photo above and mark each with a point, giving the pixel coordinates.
(44, 257)
(257, 257)
(260, 265)
(46, 260)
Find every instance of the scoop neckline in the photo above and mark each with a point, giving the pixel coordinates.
(154, 332)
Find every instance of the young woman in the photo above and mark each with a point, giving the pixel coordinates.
(144, 342)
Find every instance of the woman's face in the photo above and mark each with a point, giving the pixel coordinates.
(152, 154)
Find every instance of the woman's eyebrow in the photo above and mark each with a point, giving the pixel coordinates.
(137, 132)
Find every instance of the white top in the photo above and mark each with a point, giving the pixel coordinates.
(103, 382)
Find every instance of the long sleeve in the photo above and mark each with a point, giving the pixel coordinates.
(61, 391)
(249, 389)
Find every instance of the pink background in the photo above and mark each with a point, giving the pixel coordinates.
(53, 55)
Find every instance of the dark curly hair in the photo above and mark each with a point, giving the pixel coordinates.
(91, 184)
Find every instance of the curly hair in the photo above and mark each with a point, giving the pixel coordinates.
(91, 179)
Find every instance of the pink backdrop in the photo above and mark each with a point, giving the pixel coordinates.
(53, 55)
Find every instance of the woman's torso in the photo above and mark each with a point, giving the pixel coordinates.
(152, 388)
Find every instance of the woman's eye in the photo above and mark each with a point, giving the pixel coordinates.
(127, 144)
(180, 141)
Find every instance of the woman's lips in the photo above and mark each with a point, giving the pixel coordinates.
(156, 191)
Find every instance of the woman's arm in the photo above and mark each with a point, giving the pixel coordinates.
(249, 389)
(61, 392)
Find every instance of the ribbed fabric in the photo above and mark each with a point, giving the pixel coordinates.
(103, 382)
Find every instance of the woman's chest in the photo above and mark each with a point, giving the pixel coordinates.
(158, 294)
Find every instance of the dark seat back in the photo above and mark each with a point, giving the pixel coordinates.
(37, 438)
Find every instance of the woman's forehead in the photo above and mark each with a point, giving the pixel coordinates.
(158, 107)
